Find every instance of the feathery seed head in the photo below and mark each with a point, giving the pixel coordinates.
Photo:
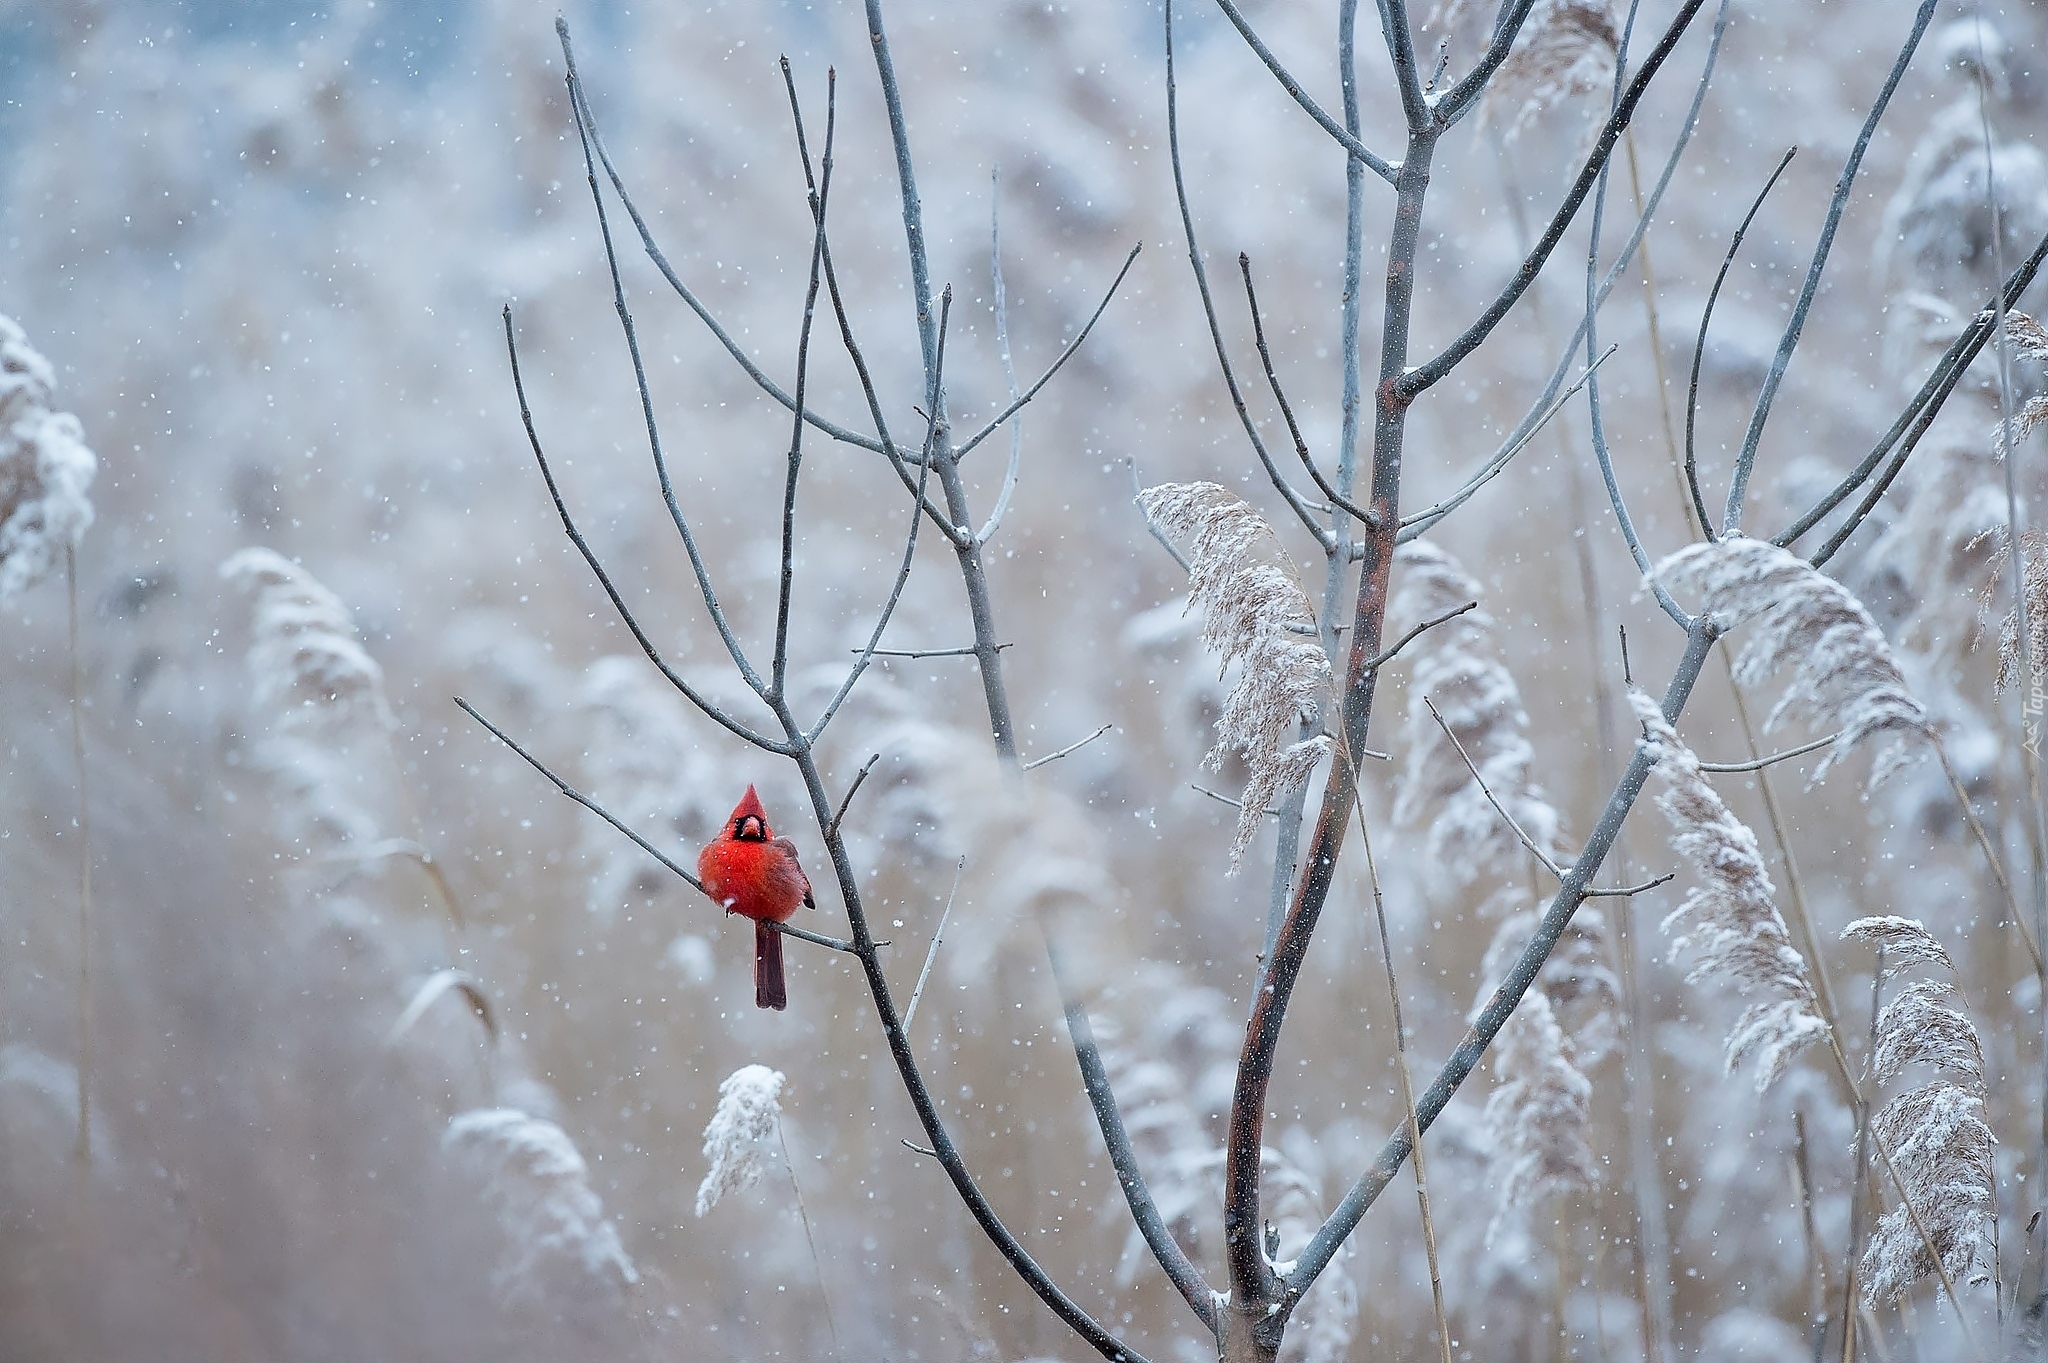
(749, 1106)
(303, 652)
(45, 468)
(1538, 1114)
(1729, 921)
(1255, 615)
(1843, 670)
(540, 1186)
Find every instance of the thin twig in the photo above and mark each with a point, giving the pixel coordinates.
(1759, 763)
(1346, 139)
(1500, 809)
(1067, 353)
(661, 263)
(1225, 799)
(1387, 655)
(1745, 460)
(604, 579)
(1422, 521)
(820, 201)
(1627, 891)
(964, 651)
(1286, 490)
(1001, 301)
(1071, 747)
(668, 494)
(1379, 910)
(1699, 345)
(2012, 905)
(1337, 499)
(839, 814)
(938, 936)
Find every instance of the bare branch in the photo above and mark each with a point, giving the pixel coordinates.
(1349, 141)
(1138, 500)
(1692, 392)
(938, 936)
(1464, 97)
(1179, 1269)
(1415, 381)
(1745, 461)
(839, 814)
(580, 103)
(1244, 263)
(1065, 354)
(1626, 891)
(604, 579)
(1071, 747)
(1758, 764)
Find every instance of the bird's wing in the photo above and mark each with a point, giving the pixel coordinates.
(786, 845)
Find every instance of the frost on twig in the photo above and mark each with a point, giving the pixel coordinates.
(1457, 667)
(540, 1187)
(735, 1140)
(1844, 674)
(1538, 1114)
(1729, 921)
(1252, 609)
(45, 468)
(1939, 1141)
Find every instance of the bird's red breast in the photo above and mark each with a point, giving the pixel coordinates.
(751, 871)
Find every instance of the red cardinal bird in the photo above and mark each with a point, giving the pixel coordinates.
(754, 873)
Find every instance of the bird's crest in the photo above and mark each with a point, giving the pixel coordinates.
(748, 807)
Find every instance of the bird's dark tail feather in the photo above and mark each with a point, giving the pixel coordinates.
(770, 991)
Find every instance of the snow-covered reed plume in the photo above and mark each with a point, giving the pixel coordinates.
(304, 657)
(1938, 1138)
(1457, 667)
(1537, 1115)
(1729, 922)
(641, 760)
(736, 1138)
(1566, 49)
(1256, 615)
(323, 693)
(45, 468)
(540, 1187)
(1844, 674)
